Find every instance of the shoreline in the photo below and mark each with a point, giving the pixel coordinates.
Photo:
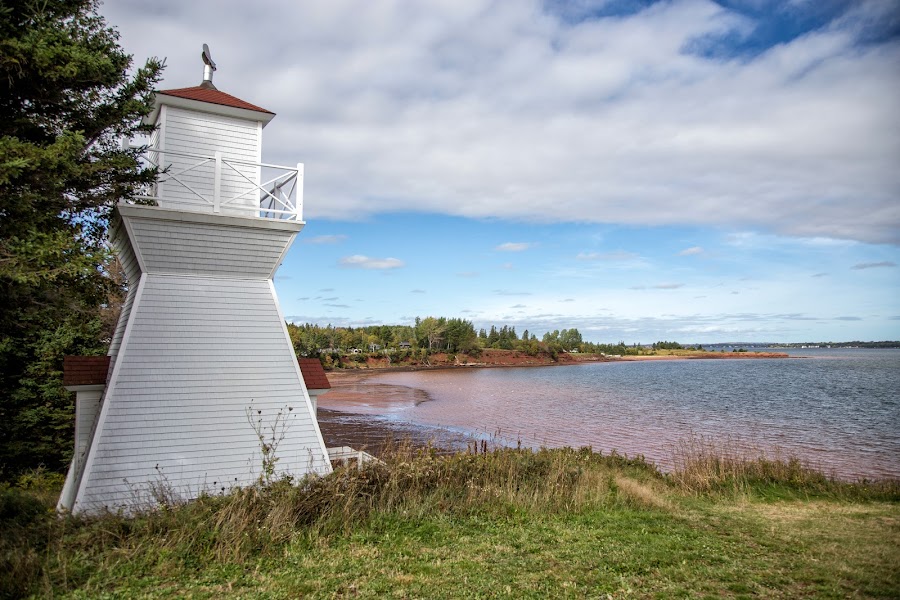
(514, 359)
(375, 434)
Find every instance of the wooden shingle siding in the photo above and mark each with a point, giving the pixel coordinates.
(200, 352)
(204, 134)
(179, 406)
(87, 405)
(202, 248)
(132, 269)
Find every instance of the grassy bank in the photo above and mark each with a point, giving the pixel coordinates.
(505, 522)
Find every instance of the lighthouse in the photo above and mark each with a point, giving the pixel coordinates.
(201, 391)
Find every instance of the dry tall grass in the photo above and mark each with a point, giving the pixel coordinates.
(703, 464)
(42, 553)
(259, 520)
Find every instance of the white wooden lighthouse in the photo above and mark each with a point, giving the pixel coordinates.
(203, 390)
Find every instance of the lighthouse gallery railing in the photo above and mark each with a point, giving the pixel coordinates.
(279, 197)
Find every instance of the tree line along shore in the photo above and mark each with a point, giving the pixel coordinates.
(441, 342)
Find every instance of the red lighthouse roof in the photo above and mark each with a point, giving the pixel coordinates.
(212, 96)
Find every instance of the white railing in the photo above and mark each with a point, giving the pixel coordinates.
(276, 192)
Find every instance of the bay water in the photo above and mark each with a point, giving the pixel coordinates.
(837, 409)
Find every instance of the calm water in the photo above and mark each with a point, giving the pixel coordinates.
(838, 409)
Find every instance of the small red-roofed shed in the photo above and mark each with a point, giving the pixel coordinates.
(81, 371)
(315, 378)
(86, 376)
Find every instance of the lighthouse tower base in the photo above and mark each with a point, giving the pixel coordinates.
(204, 392)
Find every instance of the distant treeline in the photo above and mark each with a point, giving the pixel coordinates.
(440, 334)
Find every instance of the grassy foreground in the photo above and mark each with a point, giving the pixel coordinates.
(482, 524)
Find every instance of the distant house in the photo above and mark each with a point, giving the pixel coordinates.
(405, 345)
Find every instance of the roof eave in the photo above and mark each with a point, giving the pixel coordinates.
(162, 98)
(86, 387)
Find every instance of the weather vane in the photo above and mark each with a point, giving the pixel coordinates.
(208, 68)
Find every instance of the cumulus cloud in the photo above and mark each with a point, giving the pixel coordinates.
(873, 265)
(513, 247)
(530, 110)
(358, 261)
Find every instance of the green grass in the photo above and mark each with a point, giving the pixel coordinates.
(502, 523)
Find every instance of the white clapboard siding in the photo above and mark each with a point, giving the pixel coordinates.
(132, 270)
(171, 247)
(204, 134)
(177, 412)
(204, 364)
(87, 405)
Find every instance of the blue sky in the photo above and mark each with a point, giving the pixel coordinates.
(641, 170)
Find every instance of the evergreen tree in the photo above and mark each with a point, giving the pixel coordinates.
(66, 101)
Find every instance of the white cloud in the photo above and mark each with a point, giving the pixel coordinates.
(502, 109)
(692, 251)
(359, 261)
(513, 247)
(874, 265)
(325, 239)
